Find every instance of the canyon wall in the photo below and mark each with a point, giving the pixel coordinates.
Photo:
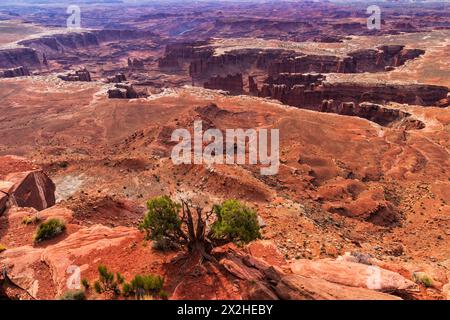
(33, 53)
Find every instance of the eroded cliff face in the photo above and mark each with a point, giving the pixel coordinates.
(204, 62)
(17, 57)
(231, 83)
(56, 44)
(14, 72)
(33, 53)
(309, 90)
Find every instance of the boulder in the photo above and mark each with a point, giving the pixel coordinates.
(297, 287)
(19, 264)
(31, 189)
(236, 267)
(3, 202)
(353, 274)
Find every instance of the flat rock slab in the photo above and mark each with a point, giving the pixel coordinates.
(296, 287)
(353, 274)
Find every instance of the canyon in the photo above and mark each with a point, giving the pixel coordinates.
(86, 119)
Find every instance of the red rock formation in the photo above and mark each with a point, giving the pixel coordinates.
(120, 77)
(354, 275)
(122, 91)
(14, 72)
(79, 75)
(31, 189)
(296, 287)
(252, 86)
(13, 58)
(135, 63)
(232, 83)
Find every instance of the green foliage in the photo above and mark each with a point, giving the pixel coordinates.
(85, 283)
(163, 295)
(98, 287)
(162, 218)
(235, 222)
(49, 229)
(142, 286)
(106, 281)
(120, 278)
(73, 295)
(2, 248)
(423, 278)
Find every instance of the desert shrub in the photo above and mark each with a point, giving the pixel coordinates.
(120, 278)
(162, 219)
(49, 229)
(163, 295)
(106, 281)
(85, 284)
(142, 286)
(31, 220)
(73, 295)
(2, 248)
(423, 278)
(235, 222)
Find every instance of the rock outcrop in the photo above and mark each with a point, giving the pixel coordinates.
(78, 75)
(231, 83)
(309, 91)
(353, 275)
(382, 115)
(135, 63)
(25, 185)
(313, 280)
(117, 78)
(16, 57)
(204, 62)
(80, 244)
(14, 72)
(296, 287)
(122, 91)
(31, 189)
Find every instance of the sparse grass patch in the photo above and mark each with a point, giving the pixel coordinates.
(73, 295)
(31, 220)
(423, 278)
(49, 229)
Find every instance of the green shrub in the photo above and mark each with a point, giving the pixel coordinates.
(106, 281)
(142, 286)
(2, 248)
(423, 278)
(162, 218)
(85, 284)
(235, 222)
(73, 295)
(163, 295)
(49, 229)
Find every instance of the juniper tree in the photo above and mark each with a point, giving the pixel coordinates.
(199, 230)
